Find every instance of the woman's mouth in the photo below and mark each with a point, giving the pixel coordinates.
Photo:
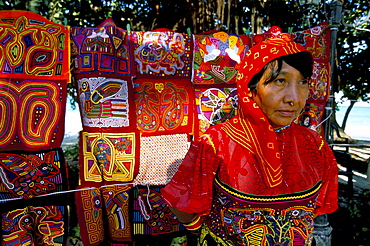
(287, 113)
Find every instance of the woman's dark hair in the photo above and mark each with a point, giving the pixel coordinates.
(302, 61)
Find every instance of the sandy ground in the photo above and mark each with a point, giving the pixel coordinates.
(360, 152)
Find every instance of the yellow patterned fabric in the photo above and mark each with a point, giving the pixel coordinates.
(108, 157)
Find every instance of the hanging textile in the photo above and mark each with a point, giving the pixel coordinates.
(103, 66)
(312, 114)
(163, 106)
(104, 214)
(163, 52)
(108, 157)
(102, 49)
(217, 56)
(317, 41)
(151, 215)
(35, 225)
(214, 105)
(29, 174)
(160, 157)
(34, 65)
(106, 103)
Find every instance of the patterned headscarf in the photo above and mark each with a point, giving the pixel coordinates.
(250, 128)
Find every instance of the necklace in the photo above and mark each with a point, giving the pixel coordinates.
(281, 128)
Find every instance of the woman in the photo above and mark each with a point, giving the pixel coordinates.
(259, 179)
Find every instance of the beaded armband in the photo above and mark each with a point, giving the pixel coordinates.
(194, 225)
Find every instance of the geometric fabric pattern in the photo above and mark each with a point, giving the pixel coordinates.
(108, 157)
(103, 214)
(32, 46)
(106, 49)
(151, 215)
(103, 65)
(214, 105)
(33, 113)
(160, 157)
(163, 52)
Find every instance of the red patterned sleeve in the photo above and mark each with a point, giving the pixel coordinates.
(328, 198)
(190, 189)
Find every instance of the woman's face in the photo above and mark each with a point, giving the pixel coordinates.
(282, 99)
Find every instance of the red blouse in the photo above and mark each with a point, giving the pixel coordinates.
(305, 156)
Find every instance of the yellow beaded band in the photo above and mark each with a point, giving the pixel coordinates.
(195, 224)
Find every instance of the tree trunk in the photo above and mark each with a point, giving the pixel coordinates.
(228, 13)
(347, 114)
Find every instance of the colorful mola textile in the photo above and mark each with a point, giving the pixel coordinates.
(103, 67)
(106, 103)
(163, 106)
(32, 114)
(35, 225)
(160, 157)
(29, 174)
(317, 41)
(103, 214)
(217, 56)
(33, 47)
(163, 52)
(108, 157)
(214, 105)
(151, 215)
(34, 65)
(103, 49)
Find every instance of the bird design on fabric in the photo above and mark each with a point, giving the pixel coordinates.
(36, 225)
(28, 176)
(223, 104)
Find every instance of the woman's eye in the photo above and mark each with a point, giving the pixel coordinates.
(280, 81)
(303, 82)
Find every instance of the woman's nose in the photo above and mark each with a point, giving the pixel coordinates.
(292, 94)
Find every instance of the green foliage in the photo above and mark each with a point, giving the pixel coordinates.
(233, 16)
(353, 52)
(71, 152)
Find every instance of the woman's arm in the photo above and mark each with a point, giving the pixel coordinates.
(183, 217)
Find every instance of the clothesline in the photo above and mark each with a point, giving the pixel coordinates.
(68, 191)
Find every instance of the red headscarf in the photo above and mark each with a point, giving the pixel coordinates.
(250, 128)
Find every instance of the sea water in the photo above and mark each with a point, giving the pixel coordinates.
(358, 122)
